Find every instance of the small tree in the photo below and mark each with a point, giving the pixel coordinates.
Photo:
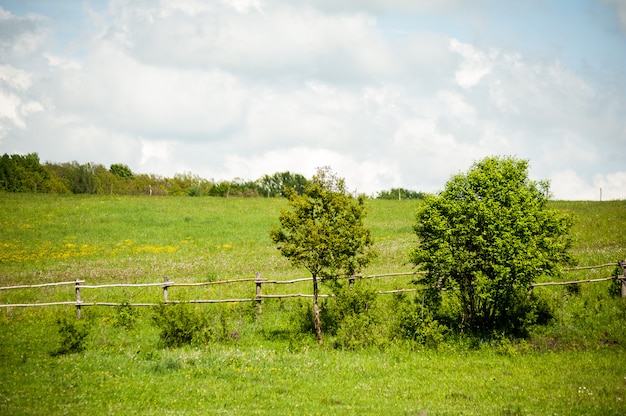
(324, 232)
(488, 236)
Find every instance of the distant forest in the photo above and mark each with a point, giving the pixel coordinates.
(25, 173)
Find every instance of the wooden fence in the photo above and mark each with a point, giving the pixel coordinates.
(259, 281)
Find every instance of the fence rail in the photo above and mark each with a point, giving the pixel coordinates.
(259, 281)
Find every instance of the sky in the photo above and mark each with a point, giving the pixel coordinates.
(388, 93)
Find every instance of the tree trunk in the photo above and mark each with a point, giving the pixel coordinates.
(316, 313)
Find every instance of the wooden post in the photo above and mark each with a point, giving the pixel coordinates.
(165, 286)
(258, 283)
(78, 300)
(351, 282)
(622, 264)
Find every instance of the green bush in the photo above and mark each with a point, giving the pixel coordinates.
(415, 322)
(73, 334)
(125, 316)
(487, 237)
(359, 331)
(615, 289)
(179, 324)
(352, 317)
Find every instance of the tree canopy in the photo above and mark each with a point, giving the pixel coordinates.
(489, 235)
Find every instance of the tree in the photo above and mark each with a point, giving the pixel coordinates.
(324, 232)
(121, 171)
(276, 184)
(489, 235)
(22, 173)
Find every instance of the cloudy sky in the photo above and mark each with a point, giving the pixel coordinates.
(389, 93)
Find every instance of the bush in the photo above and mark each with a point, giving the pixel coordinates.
(355, 318)
(487, 237)
(416, 323)
(352, 316)
(73, 334)
(615, 289)
(125, 316)
(179, 325)
(362, 331)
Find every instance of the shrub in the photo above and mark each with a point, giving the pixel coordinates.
(179, 325)
(487, 237)
(125, 316)
(352, 316)
(615, 289)
(359, 331)
(355, 318)
(416, 323)
(73, 334)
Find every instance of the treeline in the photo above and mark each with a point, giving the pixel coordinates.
(25, 173)
(400, 193)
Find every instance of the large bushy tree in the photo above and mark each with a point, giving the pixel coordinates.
(488, 235)
(323, 231)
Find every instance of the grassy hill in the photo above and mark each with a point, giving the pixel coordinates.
(264, 364)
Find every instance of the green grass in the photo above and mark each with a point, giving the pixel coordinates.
(262, 364)
(127, 373)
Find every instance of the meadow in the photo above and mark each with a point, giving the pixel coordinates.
(263, 363)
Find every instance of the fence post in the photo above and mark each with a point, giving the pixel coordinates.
(78, 300)
(165, 286)
(622, 264)
(350, 282)
(257, 281)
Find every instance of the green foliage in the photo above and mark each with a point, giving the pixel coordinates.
(25, 174)
(359, 319)
(73, 334)
(126, 316)
(415, 322)
(361, 331)
(400, 194)
(615, 288)
(348, 302)
(121, 171)
(489, 235)
(180, 324)
(78, 178)
(277, 184)
(324, 232)
(22, 173)
(352, 316)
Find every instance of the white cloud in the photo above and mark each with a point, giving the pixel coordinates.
(15, 78)
(244, 6)
(406, 6)
(13, 107)
(112, 89)
(153, 153)
(569, 185)
(476, 64)
(613, 185)
(242, 88)
(62, 62)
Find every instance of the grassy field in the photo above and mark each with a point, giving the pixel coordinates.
(574, 365)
